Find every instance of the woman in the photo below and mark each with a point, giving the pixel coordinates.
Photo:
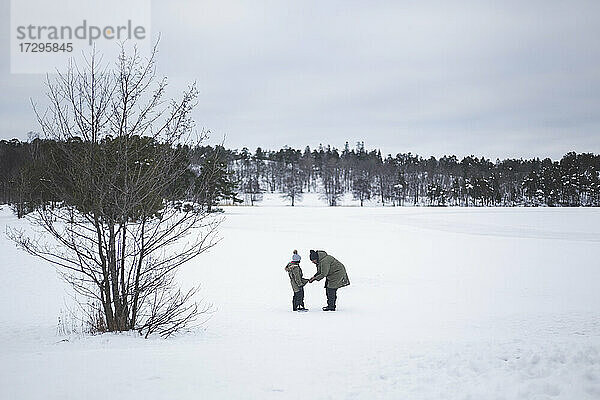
(334, 272)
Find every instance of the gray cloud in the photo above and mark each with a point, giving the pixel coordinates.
(501, 79)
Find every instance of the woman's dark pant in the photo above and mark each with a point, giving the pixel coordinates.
(331, 297)
(298, 299)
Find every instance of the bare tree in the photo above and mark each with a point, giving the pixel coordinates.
(291, 175)
(127, 219)
(252, 190)
(362, 188)
(249, 177)
(332, 182)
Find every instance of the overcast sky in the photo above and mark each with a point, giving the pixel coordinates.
(499, 79)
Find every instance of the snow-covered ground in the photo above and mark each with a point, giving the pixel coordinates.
(445, 303)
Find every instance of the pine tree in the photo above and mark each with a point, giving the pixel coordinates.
(215, 183)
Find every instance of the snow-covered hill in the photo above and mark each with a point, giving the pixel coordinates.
(456, 303)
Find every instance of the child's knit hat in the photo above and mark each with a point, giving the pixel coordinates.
(296, 257)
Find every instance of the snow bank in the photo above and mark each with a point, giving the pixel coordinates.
(444, 304)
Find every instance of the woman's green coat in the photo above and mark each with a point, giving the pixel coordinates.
(331, 269)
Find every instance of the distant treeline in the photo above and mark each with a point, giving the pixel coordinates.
(410, 179)
(243, 176)
(32, 174)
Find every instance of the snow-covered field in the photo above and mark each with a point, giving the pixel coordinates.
(445, 303)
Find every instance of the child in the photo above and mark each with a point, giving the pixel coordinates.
(295, 272)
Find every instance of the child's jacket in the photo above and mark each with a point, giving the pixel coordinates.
(295, 272)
